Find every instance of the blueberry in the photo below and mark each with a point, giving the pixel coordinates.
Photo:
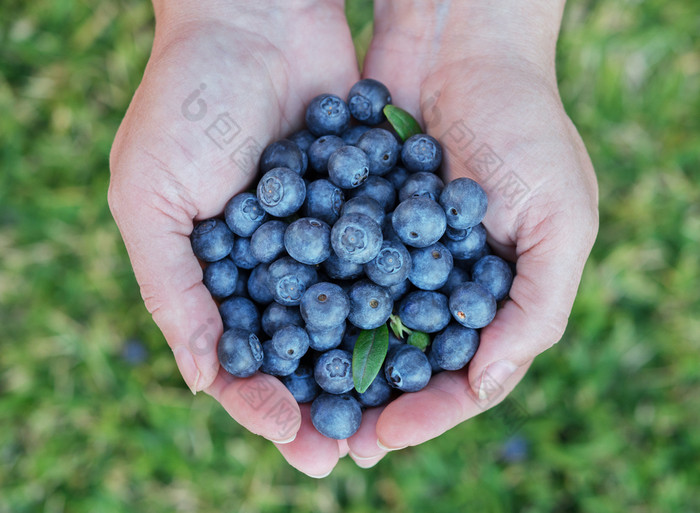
(308, 240)
(303, 139)
(472, 305)
(274, 364)
(244, 214)
(349, 338)
(323, 201)
(494, 274)
(422, 184)
(397, 177)
(348, 167)
(257, 285)
(388, 232)
(211, 240)
(364, 205)
(424, 311)
(289, 279)
(367, 100)
(281, 192)
(333, 371)
(240, 312)
(407, 368)
(240, 352)
(353, 134)
(379, 189)
(457, 234)
(454, 347)
(378, 393)
(327, 114)
(431, 266)
(370, 305)
(267, 243)
(399, 290)
(302, 385)
(241, 254)
(382, 150)
(434, 367)
(470, 246)
(278, 316)
(282, 153)
(242, 284)
(464, 202)
(321, 150)
(421, 152)
(290, 342)
(357, 238)
(325, 339)
(324, 305)
(336, 416)
(419, 222)
(221, 278)
(457, 276)
(341, 269)
(391, 266)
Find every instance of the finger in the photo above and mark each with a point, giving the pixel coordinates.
(312, 453)
(343, 448)
(364, 450)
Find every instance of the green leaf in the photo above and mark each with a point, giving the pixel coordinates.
(419, 339)
(400, 331)
(368, 356)
(404, 124)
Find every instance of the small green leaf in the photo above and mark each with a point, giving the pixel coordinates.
(419, 339)
(400, 331)
(368, 356)
(404, 124)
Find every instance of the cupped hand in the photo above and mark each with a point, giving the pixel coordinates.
(221, 83)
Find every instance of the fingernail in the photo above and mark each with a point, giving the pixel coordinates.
(388, 449)
(188, 369)
(364, 462)
(493, 378)
(322, 475)
(285, 441)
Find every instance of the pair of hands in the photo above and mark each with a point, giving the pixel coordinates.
(224, 80)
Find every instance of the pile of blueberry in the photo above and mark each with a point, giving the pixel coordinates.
(351, 230)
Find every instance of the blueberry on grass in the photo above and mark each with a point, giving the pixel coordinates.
(323, 201)
(282, 153)
(281, 192)
(277, 316)
(327, 114)
(333, 371)
(470, 247)
(455, 346)
(289, 279)
(267, 242)
(244, 214)
(407, 368)
(336, 416)
(419, 222)
(391, 266)
(274, 364)
(367, 99)
(221, 278)
(353, 134)
(424, 311)
(430, 266)
(257, 285)
(324, 305)
(472, 305)
(356, 238)
(341, 269)
(290, 342)
(240, 352)
(370, 305)
(429, 185)
(301, 384)
(308, 240)
(382, 150)
(378, 393)
(240, 312)
(242, 256)
(421, 152)
(321, 150)
(464, 202)
(211, 240)
(379, 189)
(348, 167)
(494, 274)
(364, 205)
(325, 339)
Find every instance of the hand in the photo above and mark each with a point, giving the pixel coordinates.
(473, 83)
(222, 78)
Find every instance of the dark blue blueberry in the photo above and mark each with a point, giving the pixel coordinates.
(282, 153)
(364, 205)
(134, 352)
(470, 246)
(454, 347)
(242, 284)
(472, 305)
(324, 305)
(379, 189)
(327, 115)
(321, 150)
(340, 269)
(378, 393)
(349, 338)
(281, 192)
(278, 316)
(370, 305)
(290, 342)
(303, 139)
(407, 368)
(289, 279)
(399, 290)
(464, 202)
(457, 276)
(240, 352)
(323, 340)
(244, 214)
(457, 234)
(336, 416)
(348, 167)
(240, 312)
(397, 177)
(435, 368)
(391, 266)
(333, 371)
(494, 274)
(382, 150)
(353, 134)
(430, 267)
(388, 232)
(211, 240)
(419, 222)
(267, 242)
(257, 285)
(308, 240)
(421, 152)
(424, 311)
(323, 201)
(242, 255)
(302, 385)
(274, 364)
(357, 238)
(221, 278)
(367, 100)
(515, 449)
(422, 184)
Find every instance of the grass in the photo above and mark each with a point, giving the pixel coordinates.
(93, 413)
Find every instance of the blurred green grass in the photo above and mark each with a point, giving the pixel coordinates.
(86, 424)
